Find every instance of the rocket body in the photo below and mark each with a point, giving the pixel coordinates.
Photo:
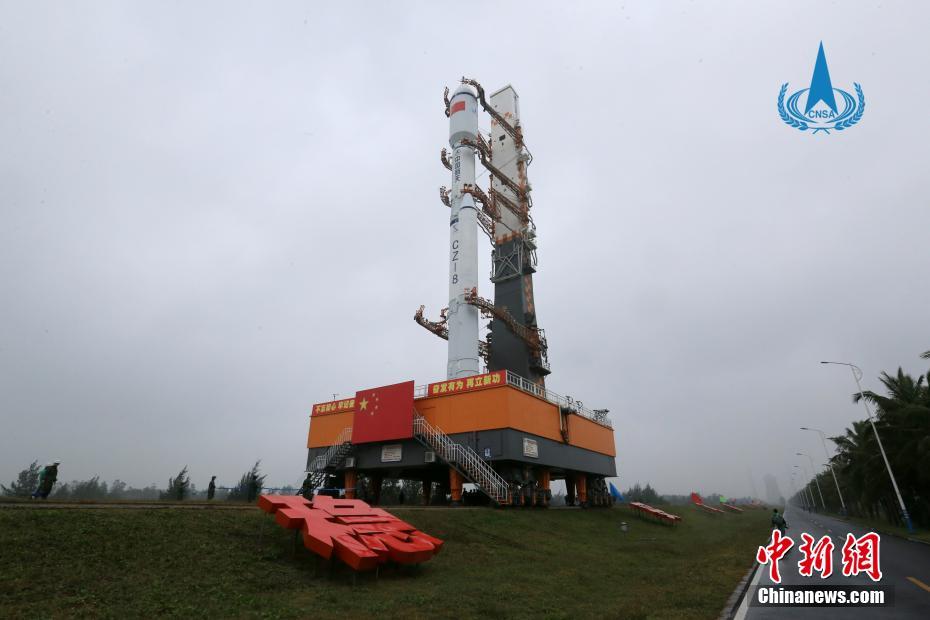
(462, 318)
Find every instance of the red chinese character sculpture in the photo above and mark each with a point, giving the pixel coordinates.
(361, 536)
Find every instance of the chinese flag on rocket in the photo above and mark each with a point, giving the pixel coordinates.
(383, 413)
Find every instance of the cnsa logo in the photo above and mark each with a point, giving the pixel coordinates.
(821, 107)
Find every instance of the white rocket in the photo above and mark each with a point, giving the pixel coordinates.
(463, 237)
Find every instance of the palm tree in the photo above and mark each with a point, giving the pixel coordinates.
(903, 420)
(855, 460)
(903, 391)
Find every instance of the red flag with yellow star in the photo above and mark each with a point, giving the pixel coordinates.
(383, 413)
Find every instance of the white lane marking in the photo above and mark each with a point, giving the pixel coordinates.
(743, 608)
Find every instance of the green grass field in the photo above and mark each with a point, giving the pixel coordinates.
(495, 563)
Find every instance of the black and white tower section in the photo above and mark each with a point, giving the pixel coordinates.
(513, 260)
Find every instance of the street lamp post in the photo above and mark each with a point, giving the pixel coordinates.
(798, 493)
(857, 375)
(819, 492)
(809, 486)
(808, 496)
(823, 440)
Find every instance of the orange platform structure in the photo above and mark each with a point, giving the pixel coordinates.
(507, 436)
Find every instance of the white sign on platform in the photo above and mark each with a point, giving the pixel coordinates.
(530, 448)
(392, 453)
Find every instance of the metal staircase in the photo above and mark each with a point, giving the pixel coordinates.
(465, 460)
(333, 455)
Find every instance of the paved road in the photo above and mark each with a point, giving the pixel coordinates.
(899, 559)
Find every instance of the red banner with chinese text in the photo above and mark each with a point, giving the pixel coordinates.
(333, 406)
(468, 384)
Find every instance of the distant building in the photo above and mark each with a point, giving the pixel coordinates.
(772, 492)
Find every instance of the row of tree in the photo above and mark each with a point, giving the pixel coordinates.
(179, 488)
(643, 494)
(902, 419)
(648, 495)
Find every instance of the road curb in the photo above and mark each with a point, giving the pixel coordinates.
(736, 599)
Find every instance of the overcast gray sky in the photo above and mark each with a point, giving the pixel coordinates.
(216, 214)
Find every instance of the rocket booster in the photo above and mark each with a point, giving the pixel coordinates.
(462, 318)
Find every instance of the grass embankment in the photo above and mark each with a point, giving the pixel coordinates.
(495, 563)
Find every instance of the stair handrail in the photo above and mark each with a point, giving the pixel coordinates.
(475, 467)
(325, 460)
(598, 417)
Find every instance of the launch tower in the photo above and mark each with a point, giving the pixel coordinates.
(502, 430)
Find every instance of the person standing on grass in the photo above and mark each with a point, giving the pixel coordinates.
(211, 490)
(778, 521)
(306, 489)
(47, 478)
